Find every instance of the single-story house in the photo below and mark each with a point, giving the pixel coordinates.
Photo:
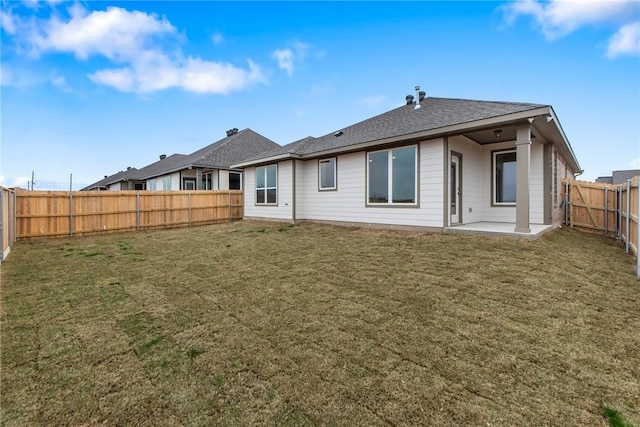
(437, 164)
(122, 180)
(208, 168)
(619, 177)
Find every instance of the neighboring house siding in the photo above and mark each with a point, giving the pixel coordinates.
(159, 182)
(115, 187)
(283, 210)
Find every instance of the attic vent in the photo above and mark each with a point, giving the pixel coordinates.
(232, 131)
(421, 95)
(409, 99)
(163, 156)
(339, 133)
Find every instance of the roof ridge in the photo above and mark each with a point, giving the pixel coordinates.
(484, 100)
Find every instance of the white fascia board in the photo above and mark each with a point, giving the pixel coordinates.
(266, 160)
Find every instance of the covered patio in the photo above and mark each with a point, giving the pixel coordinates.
(500, 229)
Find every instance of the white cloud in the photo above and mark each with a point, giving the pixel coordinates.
(625, 42)
(217, 38)
(20, 181)
(121, 79)
(7, 22)
(115, 33)
(6, 77)
(372, 101)
(193, 75)
(285, 59)
(557, 18)
(60, 82)
(288, 57)
(132, 39)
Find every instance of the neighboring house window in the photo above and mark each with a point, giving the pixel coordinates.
(189, 184)
(207, 181)
(152, 185)
(235, 182)
(392, 176)
(138, 186)
(267, 185)
(327, 174)
(504, 177)
(166, 183)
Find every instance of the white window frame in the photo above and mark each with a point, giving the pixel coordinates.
(266, 187)
(335, 174)
(390, 202)
(494, 165)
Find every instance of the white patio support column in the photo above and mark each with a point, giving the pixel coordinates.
(198, 179)
(523, 166)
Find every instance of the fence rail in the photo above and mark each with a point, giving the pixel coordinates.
(605, 208)
(32, 214)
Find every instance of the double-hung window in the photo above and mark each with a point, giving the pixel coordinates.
(166, 183)
(392, 177)
(327, 174)
(267, 185)
(504, 178)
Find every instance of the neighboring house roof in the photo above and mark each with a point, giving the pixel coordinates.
(623, 176)
(236, 147)
(159, 167)
(436, 116)
(619, 177)
(108, 180)
(219, 155)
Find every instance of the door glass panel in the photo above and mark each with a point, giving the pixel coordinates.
(454, 187)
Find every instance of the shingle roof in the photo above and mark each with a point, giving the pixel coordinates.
(159, 167)
(116, 177)
(219, 155)
(434, 113)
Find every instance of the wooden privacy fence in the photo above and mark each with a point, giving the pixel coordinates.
(605, 208)
(58, 213)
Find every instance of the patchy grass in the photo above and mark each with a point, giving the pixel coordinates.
(258, 323)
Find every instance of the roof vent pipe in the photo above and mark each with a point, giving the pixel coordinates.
(409, 99)
(421, 95)
(418, 95)
(163, 156)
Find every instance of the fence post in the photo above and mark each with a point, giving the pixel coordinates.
(70, 214)
(15, 216)
(626, 250)
(138, 211)
(566, 199)
(189, 206)
(606, 211)
(2, 224)
(229, 192)
(619, 212)
(638, 232)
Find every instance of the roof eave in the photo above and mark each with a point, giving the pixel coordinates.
(438, 132)
(266, 160)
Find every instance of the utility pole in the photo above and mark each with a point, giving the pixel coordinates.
(71, 182)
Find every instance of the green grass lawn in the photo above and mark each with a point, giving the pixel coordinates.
(255, 323)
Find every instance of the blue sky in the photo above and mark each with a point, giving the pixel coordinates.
(89, 88)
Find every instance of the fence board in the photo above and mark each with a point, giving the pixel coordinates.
(56, 213)
(606, 208)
